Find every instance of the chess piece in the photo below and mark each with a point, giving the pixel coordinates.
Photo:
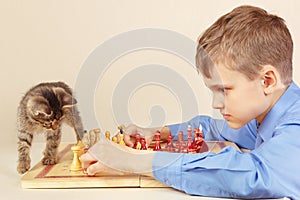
(107, 135)
(92, 138)
(189, 130)
(121, 142)
(137, 141)
(157, 146)
(76, 164)
(190, 146)
(200, 133)
(85, 140)
(143, 144)
(115, 139)
(121, 128)
(199, 143)
(180, 143)
(170, 146)
(97, 132)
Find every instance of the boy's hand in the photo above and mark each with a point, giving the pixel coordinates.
(91, 166)
(132, 130)
(108, 157)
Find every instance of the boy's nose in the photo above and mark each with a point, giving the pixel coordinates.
(217, 102)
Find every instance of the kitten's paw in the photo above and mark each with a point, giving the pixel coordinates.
(23, 167)
(49, 161)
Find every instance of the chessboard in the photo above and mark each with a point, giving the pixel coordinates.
(60, 175)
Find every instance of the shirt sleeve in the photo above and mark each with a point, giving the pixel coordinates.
(270, 171)
(217, 129)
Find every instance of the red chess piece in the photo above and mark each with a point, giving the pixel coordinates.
(137, 141)
(143, 144)
(170, 146)
(190, 146)
(200, 133)
(189, 130)
(157, 146)
(180, 143)
(199, 143)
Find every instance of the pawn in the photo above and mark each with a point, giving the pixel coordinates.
(115, 139)
(97, 132)
(76, 164)
(107, 135)
(121, 142)
(157, 146)
(170, 146)
(180, 143)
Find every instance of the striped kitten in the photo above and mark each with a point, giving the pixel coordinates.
(43, 109)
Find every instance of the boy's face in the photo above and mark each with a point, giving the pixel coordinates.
(239, 99)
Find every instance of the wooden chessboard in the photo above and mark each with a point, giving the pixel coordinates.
(59, 175)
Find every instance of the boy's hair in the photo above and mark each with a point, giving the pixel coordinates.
(244, 40)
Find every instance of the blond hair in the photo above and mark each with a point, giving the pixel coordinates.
(246, 39)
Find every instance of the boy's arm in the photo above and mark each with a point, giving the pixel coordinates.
(270, 171)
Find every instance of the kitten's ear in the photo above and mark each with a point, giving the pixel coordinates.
(39, 106)
(65, 98)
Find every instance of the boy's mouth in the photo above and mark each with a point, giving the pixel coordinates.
(226, 116)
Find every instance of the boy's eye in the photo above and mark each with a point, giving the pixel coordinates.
(223, 90)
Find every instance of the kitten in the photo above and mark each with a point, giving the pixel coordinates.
(43, 109)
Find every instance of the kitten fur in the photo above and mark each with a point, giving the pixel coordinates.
(43, 109)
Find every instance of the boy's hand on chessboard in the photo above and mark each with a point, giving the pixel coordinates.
(92, 166)
(132, 130)
(89, 163)
(108, 156)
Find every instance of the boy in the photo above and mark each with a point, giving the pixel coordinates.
(245, 58)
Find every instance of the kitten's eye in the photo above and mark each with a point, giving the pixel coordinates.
(39, 114)
(47, 124)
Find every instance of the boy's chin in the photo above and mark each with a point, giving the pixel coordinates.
(235, 125)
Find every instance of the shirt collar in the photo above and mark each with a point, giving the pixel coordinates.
(287, 99)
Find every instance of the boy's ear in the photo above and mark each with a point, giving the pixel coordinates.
(270, 79)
